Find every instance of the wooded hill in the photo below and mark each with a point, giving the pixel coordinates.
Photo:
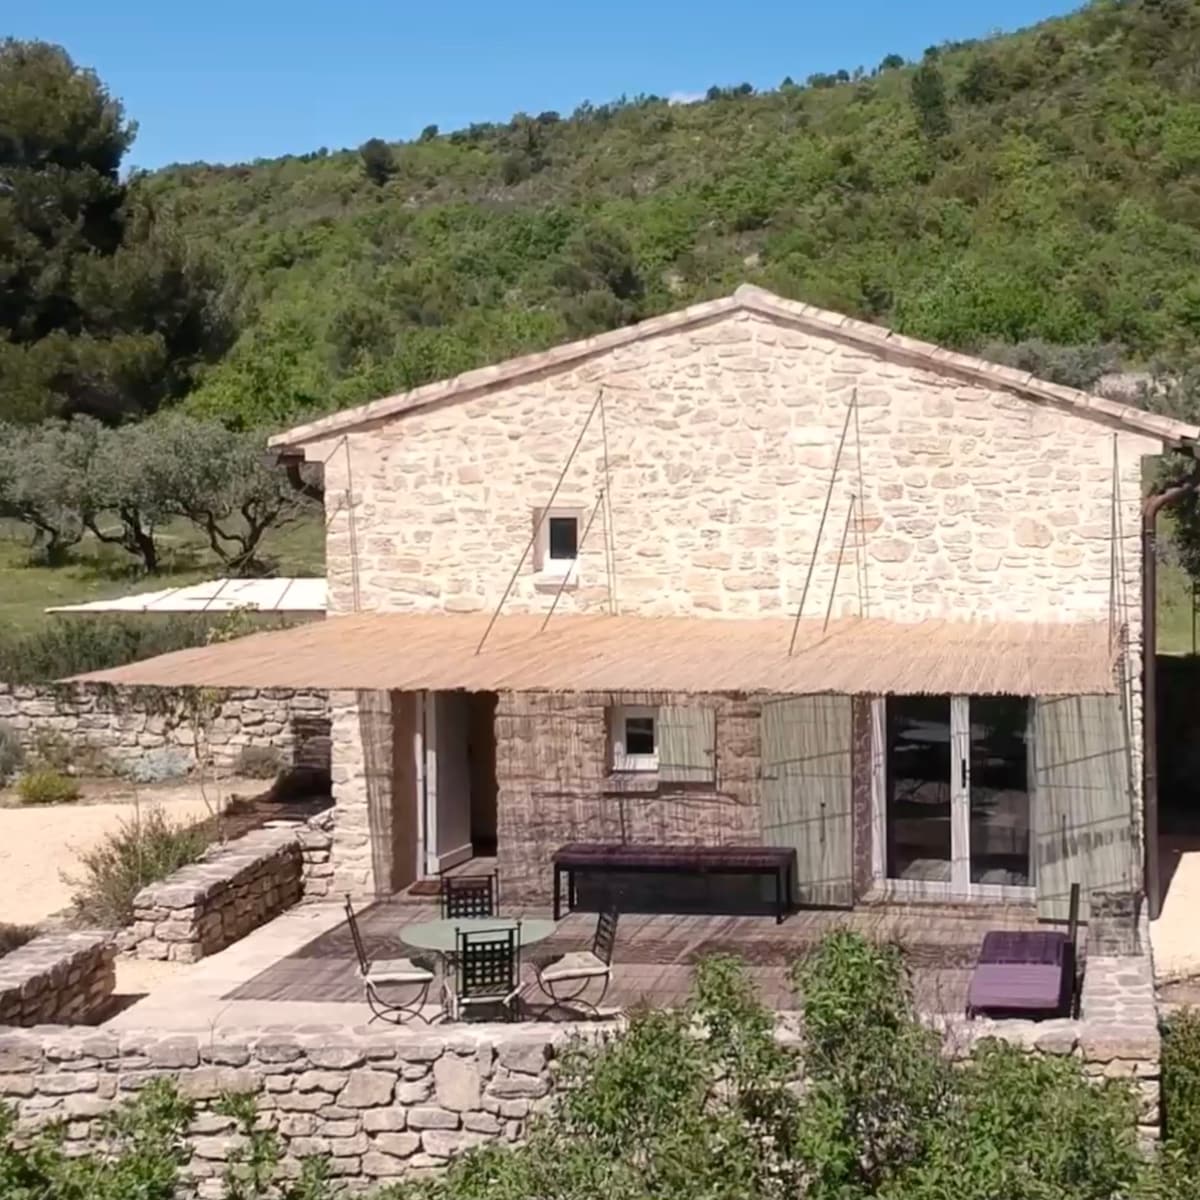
(1039, 185)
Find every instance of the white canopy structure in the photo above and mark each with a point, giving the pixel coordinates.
(284, 595)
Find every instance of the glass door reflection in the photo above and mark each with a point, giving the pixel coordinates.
(999, 796)
(918, 788)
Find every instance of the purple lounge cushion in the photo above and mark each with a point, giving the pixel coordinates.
(1030, 986)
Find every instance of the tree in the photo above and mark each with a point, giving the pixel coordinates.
(103, 309)
(44, 481)
(891, 62)
(377, 161)
(428, 133)
(227, 486)
(928, 93)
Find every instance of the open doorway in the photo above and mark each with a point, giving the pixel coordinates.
(460, 778)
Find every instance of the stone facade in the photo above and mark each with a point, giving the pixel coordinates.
(208, 905)
(108, 730)
(552, 769)
(57, 978)
(973, 499)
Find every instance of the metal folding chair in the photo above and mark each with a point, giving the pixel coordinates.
(414, 975)
(565, 979)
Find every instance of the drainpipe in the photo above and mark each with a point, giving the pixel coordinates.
(1150, 510)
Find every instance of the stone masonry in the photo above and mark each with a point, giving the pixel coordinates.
(57, 978)
(973, 499)
(108, 730)
(203, 907)
(383, 1102)
(552, 769)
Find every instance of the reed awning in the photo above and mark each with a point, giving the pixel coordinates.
(412, 651)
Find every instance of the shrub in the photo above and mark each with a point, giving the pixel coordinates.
(45, 785)
(142, 1151)
(12, 755)
(259, 762)
(156, 766)
(141, 851)
(1181, 1103)
(12, 936)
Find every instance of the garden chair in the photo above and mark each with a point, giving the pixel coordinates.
(486, 968)
(465, 896)
(410, 977)
(565, 979)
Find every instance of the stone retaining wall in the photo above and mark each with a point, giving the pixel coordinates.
(110, 730)
(57, 978)
(381, 1102)
(207, 905)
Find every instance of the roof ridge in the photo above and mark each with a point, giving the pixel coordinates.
(751, 298)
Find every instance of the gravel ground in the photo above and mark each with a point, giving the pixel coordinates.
(39, 843)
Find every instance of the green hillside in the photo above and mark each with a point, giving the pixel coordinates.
(1038, 185)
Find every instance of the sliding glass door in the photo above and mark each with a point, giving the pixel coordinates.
(953, 783)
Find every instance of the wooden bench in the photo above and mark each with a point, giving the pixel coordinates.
(601, 858)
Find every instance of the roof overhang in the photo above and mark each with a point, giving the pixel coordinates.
(410, 652)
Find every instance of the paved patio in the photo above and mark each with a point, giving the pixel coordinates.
(301, 966)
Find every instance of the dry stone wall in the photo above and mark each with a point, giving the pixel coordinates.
(110, 730)
(207, 905)
(57, 978)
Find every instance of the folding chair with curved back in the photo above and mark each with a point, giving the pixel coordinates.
(463, 896)
(412, 974)
(487, 971)
(565, 979)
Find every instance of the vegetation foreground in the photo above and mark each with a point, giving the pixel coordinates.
(703, 1102)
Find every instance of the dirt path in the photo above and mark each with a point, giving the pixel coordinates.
(37, 844)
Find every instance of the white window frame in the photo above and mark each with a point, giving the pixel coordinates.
(621, 760)
(553, 570)
(959, 885)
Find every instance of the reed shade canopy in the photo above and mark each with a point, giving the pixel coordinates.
(416, 651)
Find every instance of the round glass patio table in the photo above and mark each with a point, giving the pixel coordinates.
(442, 935)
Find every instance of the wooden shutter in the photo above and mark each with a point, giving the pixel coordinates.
(1082, 802)
(686, 744)
(806, 756)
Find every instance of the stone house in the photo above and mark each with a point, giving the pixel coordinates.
(750, 572)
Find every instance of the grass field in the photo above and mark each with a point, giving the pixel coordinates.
(100, 572)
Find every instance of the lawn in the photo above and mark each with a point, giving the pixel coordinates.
(100, 572)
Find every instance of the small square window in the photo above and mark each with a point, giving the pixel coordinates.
(634, 735)
(556, 544)
(563, 538)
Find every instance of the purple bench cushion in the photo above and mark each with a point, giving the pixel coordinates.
(1034, 987)
(666, 858)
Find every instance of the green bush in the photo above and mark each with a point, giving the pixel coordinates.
(46, 785)
(1181, 1104)
(12, 936)
(700, 1103)
(139, 851)
(12, 755)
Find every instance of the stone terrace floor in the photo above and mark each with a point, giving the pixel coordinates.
(300, 967)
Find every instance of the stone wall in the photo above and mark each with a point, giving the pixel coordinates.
(104, 729)
(379, 1102)
(382, 1102)
(207, 905)
(315, 837)
(57, 978)
(555, 786)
